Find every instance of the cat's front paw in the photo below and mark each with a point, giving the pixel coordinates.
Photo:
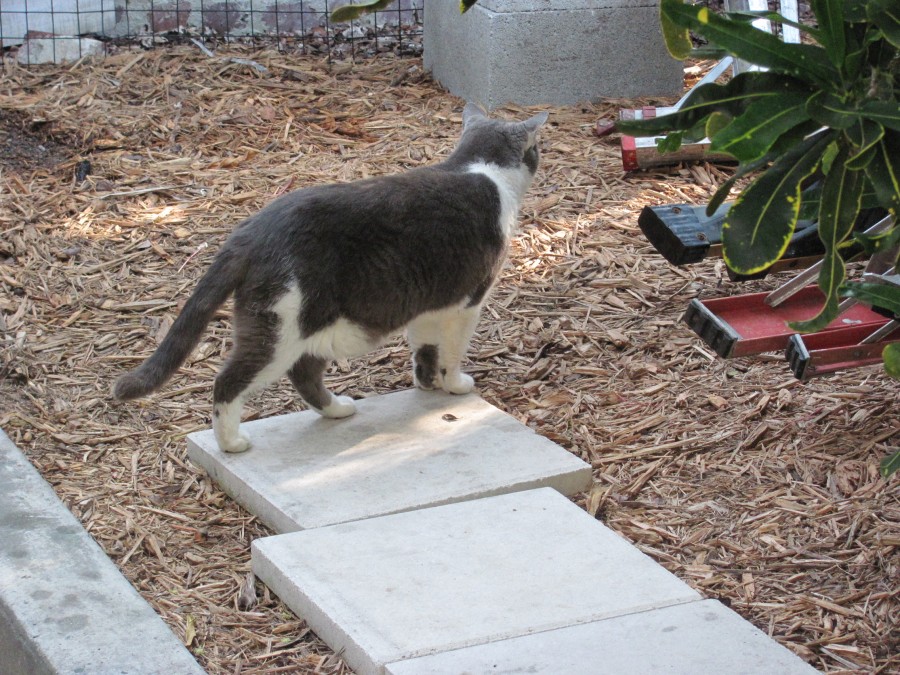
(458, 384)
(340, 406)
(240, 443)
(421, 383)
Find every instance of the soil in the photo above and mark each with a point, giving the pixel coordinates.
(28, 143)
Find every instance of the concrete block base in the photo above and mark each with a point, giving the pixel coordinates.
(535, 52)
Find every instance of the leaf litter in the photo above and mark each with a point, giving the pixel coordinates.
(754, 488)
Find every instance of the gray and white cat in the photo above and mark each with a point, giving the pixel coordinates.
(330, 272)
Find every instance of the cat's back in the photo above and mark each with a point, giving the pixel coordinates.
(432, 201)
(423, 191)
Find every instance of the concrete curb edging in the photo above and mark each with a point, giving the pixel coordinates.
(64, 605)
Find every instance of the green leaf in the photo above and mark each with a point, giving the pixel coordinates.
(892, 462)
(806, 62)
(809, 206)
(350, 12)
(891, 357)
(670, 143)
(855, 60)
(854, 11)
(707, 52)
(886, 113)
(829, 110)
(716, 122)
(466, 5)
(781, 146)
(841, 198)
(724, 189)
(677, 38)
(751, 135)
(865, 136)
(731, 98)
(886, 15)
(875, 243)
(759, 226)
(880, 295)
(883, 172)
(696, 133)
(831, 275)
(829, 155)
(830, 17)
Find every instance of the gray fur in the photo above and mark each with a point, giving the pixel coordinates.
(426, 366)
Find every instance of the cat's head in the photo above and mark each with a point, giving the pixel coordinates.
(496, 141)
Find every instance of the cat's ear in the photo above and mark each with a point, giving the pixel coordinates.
(531, 127)
(472, 111)
(532, 124)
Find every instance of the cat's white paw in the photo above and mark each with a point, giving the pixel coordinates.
(340, 406)
(458, 384)
(240, 443)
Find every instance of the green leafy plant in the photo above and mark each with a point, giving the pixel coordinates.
(826, 112)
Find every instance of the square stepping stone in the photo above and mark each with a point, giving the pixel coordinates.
(697, 637)
(400, 451)
(424, 582)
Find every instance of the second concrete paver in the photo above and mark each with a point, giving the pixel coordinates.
(453, 576)
(696, 638)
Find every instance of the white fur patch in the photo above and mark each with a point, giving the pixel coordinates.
(226, 426)
(341, 340)
(340, 406)
(512, 184)
(288, 347)
(430, 328)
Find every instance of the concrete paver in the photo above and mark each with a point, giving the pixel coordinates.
(400, 451)
(417, 583)
(697, 637)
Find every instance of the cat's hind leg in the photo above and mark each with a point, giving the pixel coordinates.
(243, 374)
(306, 376)
(267, 343)
(425, 366)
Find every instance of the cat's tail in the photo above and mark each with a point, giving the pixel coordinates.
(214, 287)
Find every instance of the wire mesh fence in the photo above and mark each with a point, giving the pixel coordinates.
(55, 31)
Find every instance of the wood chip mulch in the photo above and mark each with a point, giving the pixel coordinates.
(755, 489)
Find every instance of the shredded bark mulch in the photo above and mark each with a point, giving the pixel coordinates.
(756, 489)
